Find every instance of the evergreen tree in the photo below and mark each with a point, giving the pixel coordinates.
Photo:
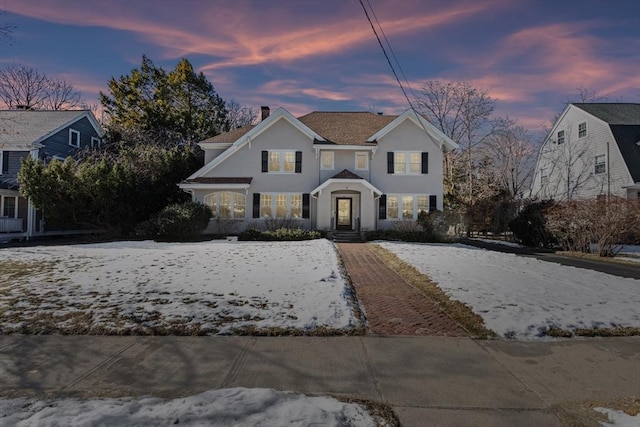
(175, 108)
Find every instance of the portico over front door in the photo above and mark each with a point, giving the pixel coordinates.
(343, 208)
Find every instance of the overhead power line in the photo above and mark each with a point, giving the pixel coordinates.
(384, 51)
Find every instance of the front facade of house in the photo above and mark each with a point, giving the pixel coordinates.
(592, 151)
(326, 171)
(42, 135)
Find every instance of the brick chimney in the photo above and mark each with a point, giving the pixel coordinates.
(265, 110)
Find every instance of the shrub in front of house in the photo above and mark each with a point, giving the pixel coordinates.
(428, 228)
(182, 221)
(530, 226)
(281, 234)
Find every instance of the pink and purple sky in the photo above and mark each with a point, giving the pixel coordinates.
(308, 55)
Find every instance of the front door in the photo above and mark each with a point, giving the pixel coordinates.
(344, 214)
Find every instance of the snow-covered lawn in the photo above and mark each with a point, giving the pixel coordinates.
(172, 288)
(223, 408)
(521, 297)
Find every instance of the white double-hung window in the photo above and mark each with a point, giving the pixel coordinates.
(362, 160)
(282, 161)
(408, 162)
(327, 160)
(74, 138)
(600, 164)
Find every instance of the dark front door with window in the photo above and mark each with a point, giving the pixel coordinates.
(344, 214)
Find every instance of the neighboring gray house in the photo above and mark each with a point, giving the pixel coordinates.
(324, 171)
(592, 150)
(40, 134)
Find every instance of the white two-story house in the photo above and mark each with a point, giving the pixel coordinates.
(324, 171)
(593, 150)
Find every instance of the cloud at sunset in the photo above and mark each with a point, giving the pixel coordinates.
(319, 55)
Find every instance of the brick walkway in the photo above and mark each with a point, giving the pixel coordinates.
(392, 306)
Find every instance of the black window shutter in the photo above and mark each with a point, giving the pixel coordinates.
(432, 203)
(305, 205)
(4, 168)
(256, 204)
(298, 161)
(425, 162)
(390, 162)
(382, 207)
(265, 161)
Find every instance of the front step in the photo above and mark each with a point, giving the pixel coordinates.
(346, 236)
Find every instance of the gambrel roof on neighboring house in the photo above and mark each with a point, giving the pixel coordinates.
(624, 121)
(592, 150)
(25, 129)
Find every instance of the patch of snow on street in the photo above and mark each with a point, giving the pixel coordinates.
(224, 408)
(520, 297)
(190, 288)
(618, 418)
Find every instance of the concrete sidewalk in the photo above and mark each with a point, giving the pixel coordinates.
(427, 380)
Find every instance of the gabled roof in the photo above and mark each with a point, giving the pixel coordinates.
(339, 128)
(346, 128)
(247, 135)
(346, 174)
(220, 180)
(21, 128)
(445, 143)
(613, 113)
(231, 136)
(346, 177)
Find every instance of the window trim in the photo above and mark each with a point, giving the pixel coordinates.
(71, 133)
(407, 163)
(281, 162)
(215, 210)
(95, 142)
(399, 216)
(582, 134)
(333, 160)
(544, 177)
(560, 138)
(1, 162)
(366, 160)
(15, 206)
(603, 164)
(273, 204)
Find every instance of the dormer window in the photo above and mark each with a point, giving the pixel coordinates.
(74, 138)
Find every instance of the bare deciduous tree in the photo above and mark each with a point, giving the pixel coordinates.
(463, 113)
(26, 87)
(514, 155)
(240, 115)
(62, 96)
